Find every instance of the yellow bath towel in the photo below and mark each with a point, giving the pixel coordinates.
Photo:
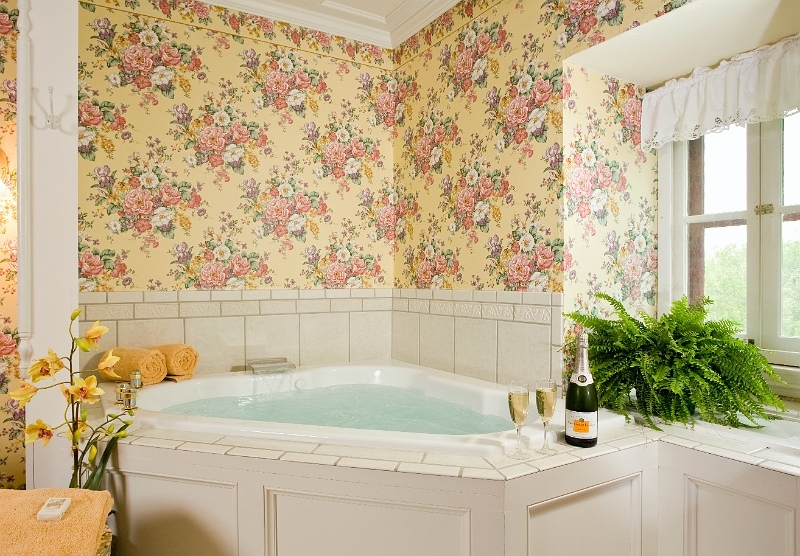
(151, 363)
(78, 533)
(181, 359)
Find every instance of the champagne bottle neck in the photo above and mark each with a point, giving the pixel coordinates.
(582, 376)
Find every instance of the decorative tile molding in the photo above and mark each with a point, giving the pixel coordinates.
(499, 312)
(156, 310)
(525, 313)
(466, 309)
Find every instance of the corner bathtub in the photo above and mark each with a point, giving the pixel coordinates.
(478, 395)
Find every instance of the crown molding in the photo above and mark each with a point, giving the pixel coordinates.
(387, 32)
(311, 19)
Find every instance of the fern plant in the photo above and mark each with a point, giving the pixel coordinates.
(675, 362)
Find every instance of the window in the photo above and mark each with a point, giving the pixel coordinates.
(734, 228)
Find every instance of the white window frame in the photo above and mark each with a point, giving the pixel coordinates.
(764, 163)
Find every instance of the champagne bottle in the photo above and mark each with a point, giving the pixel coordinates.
(581, 406)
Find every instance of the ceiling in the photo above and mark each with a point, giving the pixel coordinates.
(386, 23)
(698, 34)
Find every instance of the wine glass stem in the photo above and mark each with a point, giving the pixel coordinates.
(519, 440)
(546, 446)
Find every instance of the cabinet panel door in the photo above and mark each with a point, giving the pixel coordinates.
(721, 520)
(603, 520)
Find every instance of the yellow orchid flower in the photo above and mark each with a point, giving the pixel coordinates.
(46, 367)
(38, 431)
(78, 432)
(82, 391)
(106, 366)
(24, 394)
(94, 334)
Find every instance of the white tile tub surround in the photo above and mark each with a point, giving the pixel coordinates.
(494, 336)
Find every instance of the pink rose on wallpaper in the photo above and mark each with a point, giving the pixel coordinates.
(484, 43)
(633, 113)
(577, 7)
(466, 201)
(424, 273)
(580, 183)
(335, 153)
(277, 210)
(239, 265)
(6, 24)
(587, 23)
(170, 56)
(544, 256)
(567, 264)
(138, 201)
(213, 275)
(302, 203)
(336, 274)
(636, 137)
(517, 112)
(424, 147)
(464, 64)
(439, 133)
(652, 258)
(633, 268)
(143, 225)
(603, 175)
(386, 103)
(542, 91)
(358, 266)
(89, 114)
(584, 209)
(441, 263)
(485, 187)
(200, 9)
(138, 58)
(239, 133)
(277, 83)
(301, 79)
(8, 344)
(90, 264)
(357, 148)
(519, 269)
(212, 138)
(170, 195)
(387, 217)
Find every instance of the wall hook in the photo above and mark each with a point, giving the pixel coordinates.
(52, 119)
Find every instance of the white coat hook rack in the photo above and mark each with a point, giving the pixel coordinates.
(52, 119)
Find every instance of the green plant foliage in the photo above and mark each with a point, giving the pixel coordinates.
(674, 361)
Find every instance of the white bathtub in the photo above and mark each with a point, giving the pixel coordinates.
(481, 396)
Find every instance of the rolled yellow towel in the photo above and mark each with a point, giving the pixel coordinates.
(77, 533)
(181, 359)
(151, 363)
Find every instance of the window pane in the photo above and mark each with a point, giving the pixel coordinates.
(718, 268)
(791, 160)
(790, 275)
(718, 172)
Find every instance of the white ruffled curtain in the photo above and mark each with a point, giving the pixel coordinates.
(756, 86)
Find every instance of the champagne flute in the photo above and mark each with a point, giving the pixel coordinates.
(518, 399)
(545, 406)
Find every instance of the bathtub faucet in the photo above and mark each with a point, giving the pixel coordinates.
(270, 365)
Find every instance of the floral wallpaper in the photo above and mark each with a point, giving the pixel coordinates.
(12, 417)
(225, 150)
(220, 150)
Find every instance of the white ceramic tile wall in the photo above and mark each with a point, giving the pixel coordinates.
(494, 336)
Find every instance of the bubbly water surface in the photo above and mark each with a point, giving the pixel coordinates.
(355, 406)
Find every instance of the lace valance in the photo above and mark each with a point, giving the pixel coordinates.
(757, 86)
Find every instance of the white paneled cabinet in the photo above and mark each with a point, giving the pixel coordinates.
(656, 499)
(712, 506)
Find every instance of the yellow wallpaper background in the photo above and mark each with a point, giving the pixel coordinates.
(12, 418)
(224, 150)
